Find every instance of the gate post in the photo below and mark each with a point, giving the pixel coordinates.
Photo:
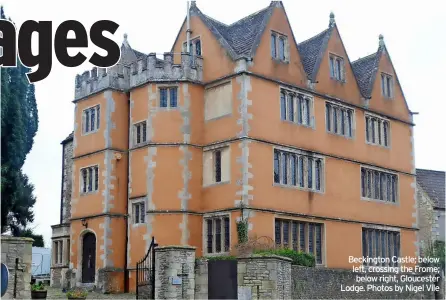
(173, 265)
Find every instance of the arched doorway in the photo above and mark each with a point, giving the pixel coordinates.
(88, 257)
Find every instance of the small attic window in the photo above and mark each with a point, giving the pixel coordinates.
(387, 85)
(337, 68)
(195, 46)
(279, 46)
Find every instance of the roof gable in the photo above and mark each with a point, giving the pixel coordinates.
(433, 183)
(312, 51)
(240, 38)
(366, 71)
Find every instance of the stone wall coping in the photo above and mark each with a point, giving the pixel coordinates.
(16, 240)
(60, 225)
(268, 256)
(174, 247)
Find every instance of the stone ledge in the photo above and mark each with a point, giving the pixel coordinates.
(174, 247)
(16, 240)
(265, 257)
(60, 225)
(60, 267)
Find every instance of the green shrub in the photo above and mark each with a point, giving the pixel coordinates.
(225, 257)
(38, 287)
(299, 258)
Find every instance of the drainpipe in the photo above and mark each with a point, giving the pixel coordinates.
(188, 28)
(126, 272)
(61, 186)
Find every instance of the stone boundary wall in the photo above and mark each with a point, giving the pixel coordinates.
(269, 277)
(322, 283)
(12, 248)
(175, 262)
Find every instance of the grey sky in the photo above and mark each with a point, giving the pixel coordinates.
(414, 33)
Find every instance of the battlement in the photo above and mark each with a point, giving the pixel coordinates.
(145, 69)
(98, 79)
(150, 68)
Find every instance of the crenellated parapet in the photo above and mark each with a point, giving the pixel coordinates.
(150, 68)
(98, 79)
(146, 69)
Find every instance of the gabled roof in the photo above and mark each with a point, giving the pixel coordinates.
(312, 51)
(241, 38)
(68, 138)
(365, 70)
(433, 183)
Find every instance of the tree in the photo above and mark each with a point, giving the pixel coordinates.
(19, 124)
(29, 233)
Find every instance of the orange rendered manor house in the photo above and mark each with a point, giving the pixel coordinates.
(317, 149)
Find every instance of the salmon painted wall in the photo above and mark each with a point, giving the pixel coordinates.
(394, 107)
(225, 127)
(94, 202)
(91, 203)
(266, 124)
(264, 64)
(117, 236)
(166, 123)
(216, 61)
(348, 90)
(335, 254)
(341, 197)
(223, 196)
(113, 107)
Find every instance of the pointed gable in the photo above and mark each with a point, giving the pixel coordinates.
(312, 51)
(239, 38)
(365, 71)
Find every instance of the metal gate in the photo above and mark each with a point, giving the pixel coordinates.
(222, 279)
(145, 274)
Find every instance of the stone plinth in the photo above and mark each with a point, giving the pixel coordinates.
(269, 277)
(175, 272)
(21, 248)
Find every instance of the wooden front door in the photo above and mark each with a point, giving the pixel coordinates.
(88, 258)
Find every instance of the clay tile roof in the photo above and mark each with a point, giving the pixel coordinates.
(365, 72)
(312, 50)
(433, 183)
(241, 38)
(68, 138)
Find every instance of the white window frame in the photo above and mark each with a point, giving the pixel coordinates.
(168, 88)
(286, 51)
(388, 94)
(344, 110)
(295, 95)
(193, 41)
(95, 188)
(379, 130)
(213, 150)
(305, 156)
(372, 186)
(214, 216)
(138, 203)
(335, 69)
(135, 133)
(306, 233)
(97, 122)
